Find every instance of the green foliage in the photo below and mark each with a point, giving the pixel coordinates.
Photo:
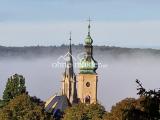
(84, 112)
(18, 105)
(117, 111)
(146, 107)
(150, 102)
(23, 108)
(2, 103)
(14, 87)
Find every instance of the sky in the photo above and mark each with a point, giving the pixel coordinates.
(124, 23)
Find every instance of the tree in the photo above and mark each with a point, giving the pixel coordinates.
(2, 103)
(146, 107)
(118, 111)
(23, 107)
(14, 87)
(84, 112)
(149, 101)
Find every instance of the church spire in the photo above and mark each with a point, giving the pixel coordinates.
(89, 26)
(88, 64)
(70, 43)
(87, 78)
(69, 61)
(69, 78)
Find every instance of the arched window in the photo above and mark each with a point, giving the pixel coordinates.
(87, 99)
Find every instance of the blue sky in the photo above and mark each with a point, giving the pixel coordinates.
(125, 23)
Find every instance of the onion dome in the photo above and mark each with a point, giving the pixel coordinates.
(88, 66)
(88, 40)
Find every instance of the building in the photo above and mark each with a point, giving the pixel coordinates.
(76, 88)
(69, 78)
(87, 78)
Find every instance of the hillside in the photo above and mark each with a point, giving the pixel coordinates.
(43, 51)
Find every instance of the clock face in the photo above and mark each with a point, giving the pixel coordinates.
(88, 84)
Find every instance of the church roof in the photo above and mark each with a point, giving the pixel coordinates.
(56, 105)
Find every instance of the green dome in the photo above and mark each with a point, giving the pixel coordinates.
(88, 40)
(87, 66)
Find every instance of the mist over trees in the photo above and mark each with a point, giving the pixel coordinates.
(42, 51)
(145, 107)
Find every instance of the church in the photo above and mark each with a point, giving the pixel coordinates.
(76, 88)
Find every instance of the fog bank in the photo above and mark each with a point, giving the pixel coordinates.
(116, 79)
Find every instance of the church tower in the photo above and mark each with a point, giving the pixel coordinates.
(87, 78)
(69, 78)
